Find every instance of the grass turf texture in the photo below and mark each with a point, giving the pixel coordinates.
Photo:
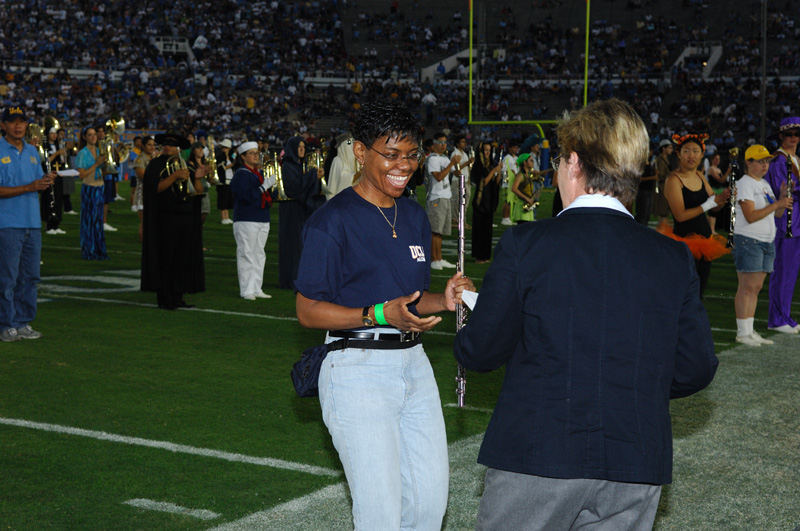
(217, 378)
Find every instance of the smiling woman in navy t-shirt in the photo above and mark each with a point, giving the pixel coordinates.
(364, 276)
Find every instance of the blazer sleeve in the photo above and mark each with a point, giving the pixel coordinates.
(492, 332)
(695, 361)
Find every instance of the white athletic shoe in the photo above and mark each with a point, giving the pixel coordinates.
(445, 263)
(108, 228)
(506, 221)
(262, 295)
(755, 335)
(26, 332)
(786, 329)
(51, 232)
(134, 208)
(748, 340)
(71, 213)
(437, 264)
(249, 297)
(59, 231)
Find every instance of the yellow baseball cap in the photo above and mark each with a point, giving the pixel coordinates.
(757, 152)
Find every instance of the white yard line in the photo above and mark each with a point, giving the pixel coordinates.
(149, 305)
(329, 507)
(165, 507)
(172, 447)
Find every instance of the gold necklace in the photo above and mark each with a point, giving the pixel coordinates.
(394, 204)
(394, 234)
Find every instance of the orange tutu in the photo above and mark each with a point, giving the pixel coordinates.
(702, 248)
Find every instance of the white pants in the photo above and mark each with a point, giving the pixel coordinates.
(251, 237)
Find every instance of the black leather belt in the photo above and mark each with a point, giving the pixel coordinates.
(373, 340)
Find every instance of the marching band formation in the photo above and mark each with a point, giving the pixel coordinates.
(249, 176)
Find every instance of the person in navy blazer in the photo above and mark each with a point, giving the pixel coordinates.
(599, 323)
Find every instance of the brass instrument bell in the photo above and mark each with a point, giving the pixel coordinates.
(182, 188)
(211, 160)
(272, 168)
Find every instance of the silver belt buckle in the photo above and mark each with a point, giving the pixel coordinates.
(406, 337)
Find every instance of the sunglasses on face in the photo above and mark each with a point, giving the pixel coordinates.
(790, 134)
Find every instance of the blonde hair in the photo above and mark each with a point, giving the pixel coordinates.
(612, 143)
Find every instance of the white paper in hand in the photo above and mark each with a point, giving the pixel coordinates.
(469, 298)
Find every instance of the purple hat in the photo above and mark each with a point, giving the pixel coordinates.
(792, 122)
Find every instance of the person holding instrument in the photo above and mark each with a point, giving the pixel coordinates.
(526, 189)
(599, 323)
(90, 162)
(753, 239)
(172, 243)
(364, 276)
(302, 185)
(784, 171)
(251, 221)
(690, 196)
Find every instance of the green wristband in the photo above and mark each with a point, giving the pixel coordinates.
(381, 320)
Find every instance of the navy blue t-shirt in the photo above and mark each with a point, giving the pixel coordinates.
(350, 258)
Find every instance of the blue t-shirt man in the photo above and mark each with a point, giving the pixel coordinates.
(21, 177)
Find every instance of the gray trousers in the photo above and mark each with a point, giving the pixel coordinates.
(523, 502)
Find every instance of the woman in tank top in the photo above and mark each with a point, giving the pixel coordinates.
(690, 196)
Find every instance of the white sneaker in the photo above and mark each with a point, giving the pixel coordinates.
(227, 221)
(51, 231)
(118, 198)
(59, 231)
(108, 228)
(249, 297)
(134, 208)
(506, 221)
(748, 340)
(71, 213)
(436, 264)
(8, 335)
(26, 332)
(445, 263)
(262, 295)
(786, 329)
(755, 335)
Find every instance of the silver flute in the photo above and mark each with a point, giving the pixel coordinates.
(734, 153)
(461, 309)
(789, 186)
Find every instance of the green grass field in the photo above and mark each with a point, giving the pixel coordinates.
(126, 417)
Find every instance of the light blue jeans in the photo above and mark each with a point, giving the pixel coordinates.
(384, 414)
(20, 258)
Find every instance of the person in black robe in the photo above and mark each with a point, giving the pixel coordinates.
(486, 176)
(305, 196)
(172, 243)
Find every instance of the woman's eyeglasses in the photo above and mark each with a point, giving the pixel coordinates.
(555, 162)
(394, 157)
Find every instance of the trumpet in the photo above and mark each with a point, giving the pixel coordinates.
(734, 153)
